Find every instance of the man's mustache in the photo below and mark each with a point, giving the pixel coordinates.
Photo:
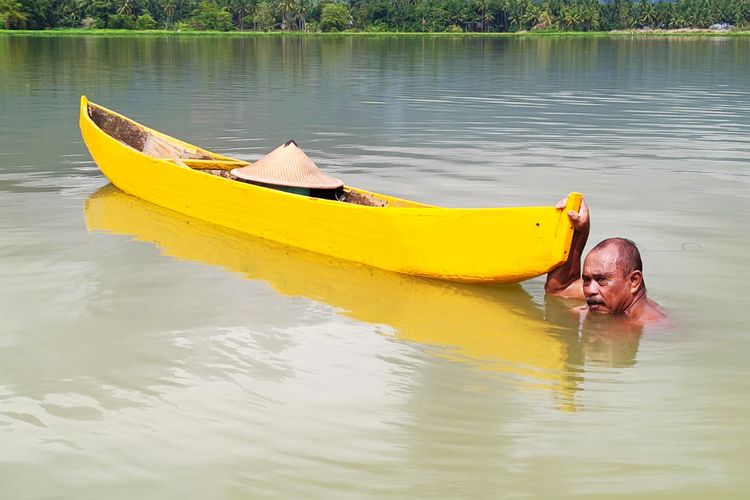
(593, 302)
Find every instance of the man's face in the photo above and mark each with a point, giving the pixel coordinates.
(607, 288)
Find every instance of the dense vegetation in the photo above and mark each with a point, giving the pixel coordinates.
(373, 15)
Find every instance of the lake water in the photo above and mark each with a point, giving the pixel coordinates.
(144, 354)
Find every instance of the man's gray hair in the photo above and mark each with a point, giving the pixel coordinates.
(629, 257)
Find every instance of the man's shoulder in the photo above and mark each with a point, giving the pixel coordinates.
(652, 313)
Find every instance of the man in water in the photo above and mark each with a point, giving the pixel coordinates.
(612, 278)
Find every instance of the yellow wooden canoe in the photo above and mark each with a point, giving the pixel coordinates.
(491, 245)
(495, 328)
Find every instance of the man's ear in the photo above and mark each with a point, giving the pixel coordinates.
(635, 280)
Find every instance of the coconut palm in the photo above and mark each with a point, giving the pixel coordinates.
(288, 10)
(482, 6)
(487, 19)
(530, 16)
(169, 7)
(302, 8)
(71, 11)
(125, 8)
(240, 9)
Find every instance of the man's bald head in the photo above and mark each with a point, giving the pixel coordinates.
(628, 256)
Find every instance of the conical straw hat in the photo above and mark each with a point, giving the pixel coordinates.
(289, 166)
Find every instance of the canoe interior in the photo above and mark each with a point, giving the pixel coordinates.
(166, 148)
(142, 139)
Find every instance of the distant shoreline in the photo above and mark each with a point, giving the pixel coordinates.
(518, 34)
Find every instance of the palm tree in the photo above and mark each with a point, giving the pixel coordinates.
(241, 8)
(530, 17)
(545, 20)
(482, 5)
(645, 16)
(125, 8)
(678, 20)
(571, 16)
(287, 9)
(301, 13)
(590, 15)
(487, 20)
(662, 14)
(169, 7)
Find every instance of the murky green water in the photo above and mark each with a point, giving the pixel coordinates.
(147, 355)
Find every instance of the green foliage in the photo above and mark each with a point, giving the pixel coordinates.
(209, 16)
(145, 22)
(13, 14)
(293, 13)
(167, 9)
(247, 21)
(121, 22)
(376, 28)
(241, 12)
(264, 19)
(376, 15)
(335, 17)
(39, 13)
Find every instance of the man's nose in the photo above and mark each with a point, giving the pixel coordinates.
(590, 289)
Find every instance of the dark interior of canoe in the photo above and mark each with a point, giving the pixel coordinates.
(159, 146)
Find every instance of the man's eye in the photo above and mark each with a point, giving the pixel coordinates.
(602, 281)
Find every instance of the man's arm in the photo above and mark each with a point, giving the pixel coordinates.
(565, 280)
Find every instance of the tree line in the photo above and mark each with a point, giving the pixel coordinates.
(374, 15)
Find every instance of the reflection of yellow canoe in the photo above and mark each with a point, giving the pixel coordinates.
(497, 327)
(457, 244)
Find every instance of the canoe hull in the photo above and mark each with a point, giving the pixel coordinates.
(493, 327)
(493, 245)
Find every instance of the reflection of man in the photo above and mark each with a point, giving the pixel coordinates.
(612, 278)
